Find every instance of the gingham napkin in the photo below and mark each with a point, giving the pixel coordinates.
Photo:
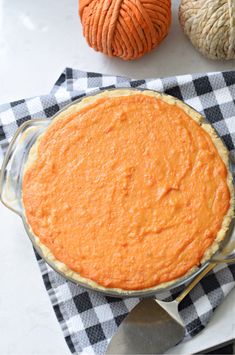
(89, 319)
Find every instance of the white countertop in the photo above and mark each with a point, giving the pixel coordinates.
(38, 39)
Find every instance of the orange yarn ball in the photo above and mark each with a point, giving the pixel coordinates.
(125, 28)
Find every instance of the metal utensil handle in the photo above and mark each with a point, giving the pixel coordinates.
(201, 275)
(12, 167)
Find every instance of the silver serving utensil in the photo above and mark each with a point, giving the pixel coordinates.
(154, 326)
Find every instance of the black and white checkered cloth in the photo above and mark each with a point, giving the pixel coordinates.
(89, 319)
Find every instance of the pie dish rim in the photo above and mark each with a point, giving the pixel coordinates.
(224, 154)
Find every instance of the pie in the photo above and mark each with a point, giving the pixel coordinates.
(128, 190)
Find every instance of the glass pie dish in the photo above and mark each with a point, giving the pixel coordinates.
(11, 196)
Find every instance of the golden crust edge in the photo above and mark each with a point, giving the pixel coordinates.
(199, 119)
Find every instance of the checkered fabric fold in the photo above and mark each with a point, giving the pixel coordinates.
(89, 319)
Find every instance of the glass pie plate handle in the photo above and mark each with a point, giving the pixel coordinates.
(14, 162)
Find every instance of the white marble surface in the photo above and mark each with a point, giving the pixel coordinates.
(38, 39)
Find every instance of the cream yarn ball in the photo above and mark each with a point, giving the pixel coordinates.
(210, 25)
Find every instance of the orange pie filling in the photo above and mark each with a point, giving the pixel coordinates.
(129, 192)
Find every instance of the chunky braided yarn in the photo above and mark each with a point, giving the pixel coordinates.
(125, 28)
(210, 25)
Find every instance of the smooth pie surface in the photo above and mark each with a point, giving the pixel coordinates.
(129, 192)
